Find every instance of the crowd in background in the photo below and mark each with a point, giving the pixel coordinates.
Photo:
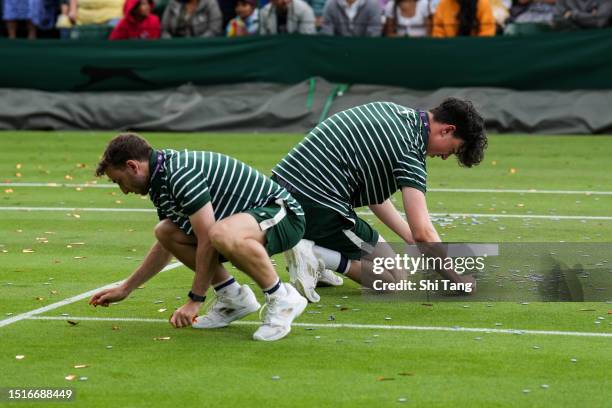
(146, 19)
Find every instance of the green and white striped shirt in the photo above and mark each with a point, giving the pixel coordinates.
(187, 180)
(359, 157)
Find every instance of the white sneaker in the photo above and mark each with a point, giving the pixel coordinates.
(303, 267)
(327, 277)
(226, 309)
(279, 312)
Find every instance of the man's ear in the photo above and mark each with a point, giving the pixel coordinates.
(133, 165)
(449, 130)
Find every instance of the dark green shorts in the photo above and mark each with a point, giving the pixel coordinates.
(329, 229)
(284, 229)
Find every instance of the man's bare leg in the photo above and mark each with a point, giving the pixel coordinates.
(183, 247)
(240, 239)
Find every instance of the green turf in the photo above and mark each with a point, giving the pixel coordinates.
(320, 367)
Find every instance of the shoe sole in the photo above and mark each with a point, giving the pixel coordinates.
(244, 313)
(312, 297)
(301, 307)
(297, 282)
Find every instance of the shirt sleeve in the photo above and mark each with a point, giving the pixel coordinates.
(189, 188)
(161, 215)
(409, 171)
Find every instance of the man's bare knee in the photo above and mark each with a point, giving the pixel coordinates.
(221, 237)
(164, 230)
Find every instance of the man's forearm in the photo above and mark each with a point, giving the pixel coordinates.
(156, 259)
(388, 215)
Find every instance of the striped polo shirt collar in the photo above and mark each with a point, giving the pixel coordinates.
(156, 170)
(425, 129)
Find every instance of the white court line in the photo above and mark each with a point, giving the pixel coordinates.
(31, 313)
(460, 215)
(59, 185)
(435, 190)
(348, 326)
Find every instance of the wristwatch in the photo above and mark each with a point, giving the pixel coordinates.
(196, 298)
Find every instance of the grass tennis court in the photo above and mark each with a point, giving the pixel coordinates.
(61, 237)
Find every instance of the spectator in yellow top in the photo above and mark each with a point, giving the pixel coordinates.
(463, 18)
(85, 12)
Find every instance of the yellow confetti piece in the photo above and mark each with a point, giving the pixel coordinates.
(513, 170)
(49, 232)
(68, 246)
(19, 230)
(116, 328)
(161, 338)
(68, 177)
(77, 243)
(18, 166)
(494, 163)
(40, 299)
(520, 205)
(162, 310)
(54, 292)
(9, 191)
(27, 251)
(141, 287)
(76, 215)
(81, 366)
(19, 357)
(80, 257)
(4, 251)
(17, 174)
(81, 165)
(118, 202)
(78, 189)
(70, 377)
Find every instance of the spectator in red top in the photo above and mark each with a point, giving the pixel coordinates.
(138, 22)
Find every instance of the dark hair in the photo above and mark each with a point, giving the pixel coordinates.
(470, 128)
(124, 147)
(467, 17)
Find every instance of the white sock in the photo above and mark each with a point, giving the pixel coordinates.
(333, 259)
(278, 289)
(231, 289)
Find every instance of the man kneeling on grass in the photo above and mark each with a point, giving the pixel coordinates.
(212, 208)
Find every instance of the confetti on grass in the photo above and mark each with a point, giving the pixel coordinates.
(161, 338)
(19, 357)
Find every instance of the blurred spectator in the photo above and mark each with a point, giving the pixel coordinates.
(463, 18)
(85, 12)
(501, 12)
(228, 10)
(352, 18)
(35, 13)
(192, 18)
(138, 22)
(286, 17)
(246, 21)
(317, 6)
(407, 18)
(579, 14)
(532, 11)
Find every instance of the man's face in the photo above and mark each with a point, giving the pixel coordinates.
(132, 178)
(281, 4)
(444, 143)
